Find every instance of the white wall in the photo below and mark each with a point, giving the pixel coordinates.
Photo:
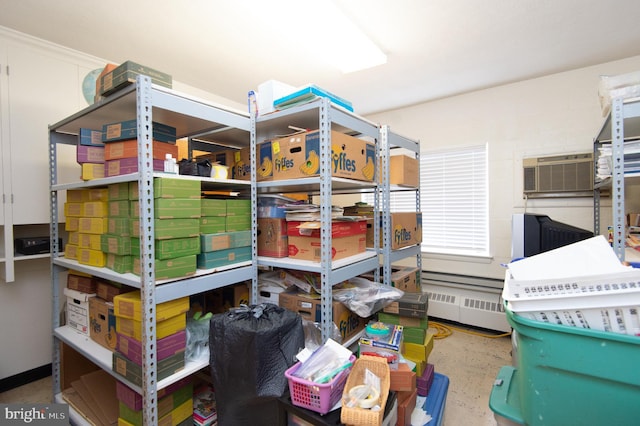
(550, 115)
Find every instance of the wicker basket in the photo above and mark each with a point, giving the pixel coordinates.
(357, 416)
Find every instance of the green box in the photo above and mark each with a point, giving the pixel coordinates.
(572, 375)
(170, 228)
(174, 208)
(120, 264)
(403, 321)
(118, 191)
(169, 249)
(214, 207)
(170, 268)
(120, 208)
(225, 240)
(414, 335)
(133, 372)
(237, 223)
(126, 74)
(238, 207)
(119, 226)
(215, 259)
(115, 244)
(166, 404)
(213, 224)
(170, 188)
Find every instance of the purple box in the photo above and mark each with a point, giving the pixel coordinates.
(89, 154)
(133, 399)
(125, 166)
(424, 382)
(166, 347)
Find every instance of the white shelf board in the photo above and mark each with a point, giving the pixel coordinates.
(103, 357)
(312, 185)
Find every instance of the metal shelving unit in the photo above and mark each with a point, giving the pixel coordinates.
(621, 125)
(326, 117)
(190, 116)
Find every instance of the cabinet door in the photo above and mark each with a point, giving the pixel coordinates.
(43, 88)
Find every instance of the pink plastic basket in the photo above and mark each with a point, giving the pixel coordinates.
(314, 396)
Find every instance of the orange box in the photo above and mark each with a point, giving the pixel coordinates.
(402, 379)
(406, 405)
(129, 148)
(347, 239)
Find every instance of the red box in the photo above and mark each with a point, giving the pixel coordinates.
(406, 405)
(348, 239)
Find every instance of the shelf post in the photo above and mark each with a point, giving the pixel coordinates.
(326, 290)
(617, 176)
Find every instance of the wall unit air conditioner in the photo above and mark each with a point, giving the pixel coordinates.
(569, 175)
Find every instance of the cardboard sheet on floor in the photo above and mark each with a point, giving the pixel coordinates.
(79, 398)
(102, 388)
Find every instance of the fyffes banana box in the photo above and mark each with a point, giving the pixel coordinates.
(298, 156)
(264, 169)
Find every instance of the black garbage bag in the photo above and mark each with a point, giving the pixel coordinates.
(250, 349)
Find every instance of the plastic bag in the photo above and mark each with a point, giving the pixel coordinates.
(250, 349)
(197, 337)
(366, 297)
(313, 334)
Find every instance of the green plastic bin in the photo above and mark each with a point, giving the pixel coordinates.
(575, 376)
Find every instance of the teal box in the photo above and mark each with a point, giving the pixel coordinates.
(213, 224)
(569, 375)
(225, 240)
(90, 137)
(238, 207)
(237, 223)
(124, 130)
(214, 207)
(216, 259)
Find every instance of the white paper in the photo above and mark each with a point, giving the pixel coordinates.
(593, 256)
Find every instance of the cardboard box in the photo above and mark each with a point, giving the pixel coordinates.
(118, 191)
(121, 209)
(347, 322)
(81, 283)
(218, 258)
(170, 228)
(129, 305)
(170, 249)
(133, 328)
(414, 335)
(95, 209)
(102, 323)
(223, 299)
(74, 209)
(264, 157)
(241, 169)
(298, 156)
(107, 290)
(406, 230)
(238, 207)
(124, 166)
(71, 251)
(90, 171)
(90, 241)
(402, 378)
(170, 208)
(115, 244)
(404, 171)
(126, 74)
(167, 407)
(82, 195)
(419, 351)
(213, 224)
(389, 347)
(405, 278)
(225, 240)
(133, 372)
(409, 305)
(91, 257)
(78, 310)
(165, 347)
(213, 207)
(133, 399)
(129, 148)
(120, 264)
(92, 225)
(119, 226)
(74, 238)
(89, 154)
(406, 405)
(165, 269)
(90, 137)
(166, 187)
(237, 223)
(272, 237)
(348, 239)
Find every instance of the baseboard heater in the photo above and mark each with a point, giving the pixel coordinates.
(469, 300)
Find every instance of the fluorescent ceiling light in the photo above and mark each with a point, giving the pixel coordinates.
(321, 27)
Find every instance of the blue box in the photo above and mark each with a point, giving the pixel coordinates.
(307, 94)
(90, 137)
(437, 399)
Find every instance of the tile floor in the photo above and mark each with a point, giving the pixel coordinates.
(471, 362)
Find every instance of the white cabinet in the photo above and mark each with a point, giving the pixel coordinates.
(39, 83)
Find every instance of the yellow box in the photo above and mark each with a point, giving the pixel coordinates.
(92, 171)
(90, 241)
(93, 225)
(82, 195)
(71, 251)
(95, 209)
(133, 328)
(73, 209)
(129, 305)
(419, 352)
(72, 224)
(92, 257)
(74, 238)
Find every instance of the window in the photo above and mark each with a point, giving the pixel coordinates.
(453, 199)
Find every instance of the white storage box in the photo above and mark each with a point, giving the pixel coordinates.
(608, 302)
(78, 310)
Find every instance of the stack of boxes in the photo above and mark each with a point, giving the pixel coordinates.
(170, 328)
(272, 226)
(174, 404)
(117, 242)
(86, 213)
(90, 154)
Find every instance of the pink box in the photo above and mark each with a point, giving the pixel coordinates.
(133, 399)
(125, 166)
(166, 347)
(89, 154)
